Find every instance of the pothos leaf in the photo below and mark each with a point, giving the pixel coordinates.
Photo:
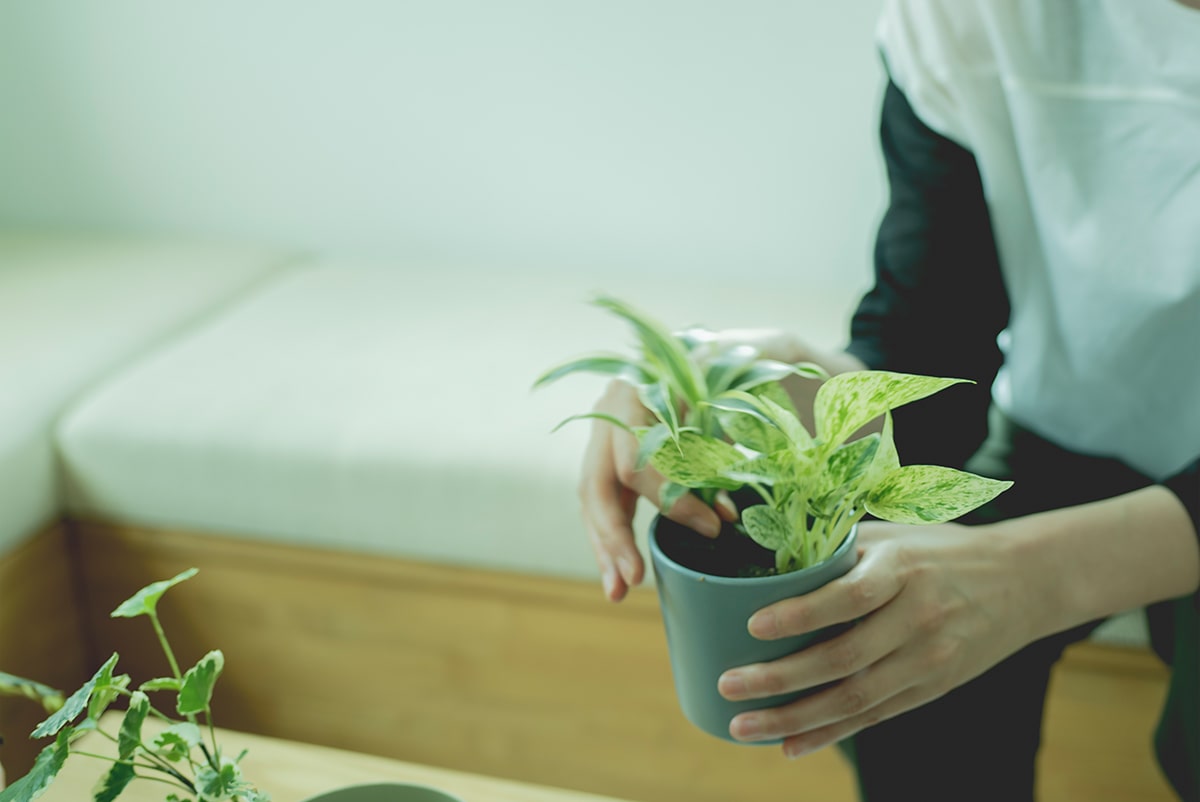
(45, 768)
(926, 494)
(198, 682)
(849, 401)
(650, 440)
(698, 461)
(145, 601)
(75, 703)
(767, 526)
(845, 470)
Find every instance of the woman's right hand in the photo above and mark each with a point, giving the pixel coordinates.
(610, 486)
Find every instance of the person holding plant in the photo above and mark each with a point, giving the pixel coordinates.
(1041, 240)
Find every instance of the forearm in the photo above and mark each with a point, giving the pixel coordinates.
(1090, 561)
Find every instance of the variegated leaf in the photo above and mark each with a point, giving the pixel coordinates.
(697, 461)
(849, 401)
(603, 364)
(926, 494)
(767, 526)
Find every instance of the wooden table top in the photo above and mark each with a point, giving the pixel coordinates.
(292, 772)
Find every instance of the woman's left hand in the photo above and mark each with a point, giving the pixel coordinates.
(936, 606)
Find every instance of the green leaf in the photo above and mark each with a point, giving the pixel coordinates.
(130, 736)
(161, 684)
(662, 348)
(604, 416)
(198, 682)
(768, 527)
(177, 741)
(145, 601)
(849, 401)
(764, 469)
(602, 364)
(45, 768)
(697, 461)
(765, 409)
(886, 459)
(650, 440)
(218, 784)
(49, 698)
(725, 367)
(844, 472)
(669, 494)
(75, 703)
(112, 784)
(769, 370)
(658, 399)
(926, 494)
(108, 688)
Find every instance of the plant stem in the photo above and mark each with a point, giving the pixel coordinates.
(166, 647)
(181, 780)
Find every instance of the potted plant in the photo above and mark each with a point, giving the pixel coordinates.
(718, 426)
(185, 753)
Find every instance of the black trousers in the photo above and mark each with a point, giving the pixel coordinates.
(979, 742)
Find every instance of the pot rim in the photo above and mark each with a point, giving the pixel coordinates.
(741, 581)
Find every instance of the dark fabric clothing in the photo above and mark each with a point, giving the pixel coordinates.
(937, 306)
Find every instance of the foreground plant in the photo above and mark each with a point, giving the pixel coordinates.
(184, 754)
(725, 422)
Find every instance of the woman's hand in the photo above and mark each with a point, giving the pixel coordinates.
(936, 606)
(610, 485)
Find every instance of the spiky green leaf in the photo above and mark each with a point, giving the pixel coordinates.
(45, 768)
(721, 371)
(198, 682)
(604, 416)
(926, 494)
(601, 364)
(696, 461)
(659, 399)
(76, 702)
(769, 370)
(768, 527)
(145, 601)
(662, 349)
(849, 401)
(113, 783)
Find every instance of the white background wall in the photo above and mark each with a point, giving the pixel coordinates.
(629, 135)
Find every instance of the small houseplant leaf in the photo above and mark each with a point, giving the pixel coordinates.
(662, 349)
(113, 783)
(45, 768)
(198, 683)
(160, 684)
(926, 494)
(769, 370)
(601, 364)
(604, 416)
(650, 440)
(721, 371)
(176, 742)
(129, 738)
(75, 704)
(145, 601)
(768, 527)
(49, 698)
(698, 461)
(849, 401)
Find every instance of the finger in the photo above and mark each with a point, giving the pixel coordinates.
(852, 699)
(846, 655)
(806, 743)
(608, 510)
(869, 585)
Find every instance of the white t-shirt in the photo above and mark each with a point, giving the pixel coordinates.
(1084, 118)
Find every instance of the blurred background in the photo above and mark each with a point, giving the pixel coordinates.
(672, 137)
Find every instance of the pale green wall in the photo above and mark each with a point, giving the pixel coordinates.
(670, 135)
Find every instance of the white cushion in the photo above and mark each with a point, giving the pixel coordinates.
(72, 308)
(385, 409)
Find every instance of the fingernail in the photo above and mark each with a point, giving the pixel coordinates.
(764, 625)
(725, 507)
(731, 686)
(747, 726)
(625, 566)
(610, 582)
(793, 751)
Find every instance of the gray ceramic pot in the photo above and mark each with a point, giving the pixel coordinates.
(385, 792)
(705, 616)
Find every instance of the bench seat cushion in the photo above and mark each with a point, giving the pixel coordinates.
(72, 308)
(378, 408)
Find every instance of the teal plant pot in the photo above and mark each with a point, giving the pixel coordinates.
(705, 614)
(385, 792)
